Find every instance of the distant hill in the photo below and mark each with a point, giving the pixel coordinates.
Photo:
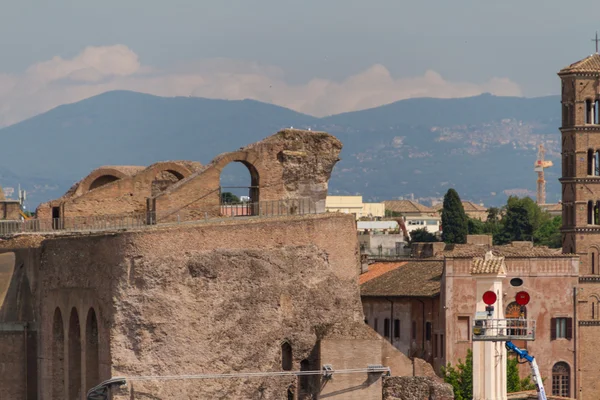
(480, 145)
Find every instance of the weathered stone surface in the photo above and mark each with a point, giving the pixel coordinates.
(204, 299)
(415, 388)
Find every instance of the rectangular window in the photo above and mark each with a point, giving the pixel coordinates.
(435, 345)
(561, 328)
(464, 329)
(397, 328)
(386, 327)
(442, 343)
(414, 330)
(428, 331)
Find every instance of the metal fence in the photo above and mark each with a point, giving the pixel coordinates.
(262, 209)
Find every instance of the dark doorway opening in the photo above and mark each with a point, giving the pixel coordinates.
(56, 218)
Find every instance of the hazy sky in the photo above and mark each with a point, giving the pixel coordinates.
(319, 57)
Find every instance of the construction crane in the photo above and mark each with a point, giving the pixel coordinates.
(539, 166)
(535, 372)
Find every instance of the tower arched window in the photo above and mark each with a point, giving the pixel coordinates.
(589, 112)
(596, 171)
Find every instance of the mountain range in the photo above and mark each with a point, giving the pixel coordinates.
(483, 146)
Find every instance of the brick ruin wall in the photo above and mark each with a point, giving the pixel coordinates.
(291, 164)
(222, 284)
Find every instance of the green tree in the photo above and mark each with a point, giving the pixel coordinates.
(524, 220)
(548, 234)
(461, 377)
(229, 198)
(514, 383)
(454, 220)
(422, 235)
(476, 226)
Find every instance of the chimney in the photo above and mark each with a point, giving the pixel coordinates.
(364, 263)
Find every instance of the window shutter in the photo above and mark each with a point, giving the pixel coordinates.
(569, 328)
(552, 328)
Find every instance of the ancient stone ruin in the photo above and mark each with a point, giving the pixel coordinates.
(211, 296)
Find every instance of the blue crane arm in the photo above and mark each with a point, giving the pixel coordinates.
(521, 353)
(535, 372)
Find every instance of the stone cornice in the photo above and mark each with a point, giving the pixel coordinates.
(576, 128)
(577, 179)
(589, 323)
(587, 229)
(589, 278)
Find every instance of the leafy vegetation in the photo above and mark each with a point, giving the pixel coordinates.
(229, 198)
(454, 220)
(521, 219)
(461, 377)
(422, 235)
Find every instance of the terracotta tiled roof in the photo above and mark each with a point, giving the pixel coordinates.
(411, 279)
(588, 64)
(469, 206)
(378, 269)
(472, 250)
(407, 206)
(487, 265)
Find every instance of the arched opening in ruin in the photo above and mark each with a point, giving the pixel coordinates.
(92, 363)
(74, 356)
(239, 189)
(103, 180)
(286, 356)
(58, 355)
(164, 179)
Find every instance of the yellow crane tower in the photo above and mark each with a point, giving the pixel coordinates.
(539, 166)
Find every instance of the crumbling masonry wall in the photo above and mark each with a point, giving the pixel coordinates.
(123, 190)
(290, 164)
(205, 299)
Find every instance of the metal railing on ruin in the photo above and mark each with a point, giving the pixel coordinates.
(222, 212)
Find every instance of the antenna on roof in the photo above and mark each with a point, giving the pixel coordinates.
(596, 40)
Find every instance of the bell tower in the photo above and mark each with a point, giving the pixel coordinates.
(580, 135)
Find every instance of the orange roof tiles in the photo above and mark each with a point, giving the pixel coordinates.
(378, 269)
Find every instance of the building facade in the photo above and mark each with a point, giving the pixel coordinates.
(433, 300)
(580, 131)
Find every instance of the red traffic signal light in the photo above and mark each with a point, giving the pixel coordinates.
(522, 298)
(489, 297)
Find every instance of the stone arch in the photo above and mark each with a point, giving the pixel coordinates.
(248, 159)
(74, 365)
(167, 174)
(92, 361)
(58, 355)
(561, 379)
(287, 359)
(103, 180)
(100, 177)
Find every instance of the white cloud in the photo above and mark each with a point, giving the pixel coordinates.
(99, 69)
